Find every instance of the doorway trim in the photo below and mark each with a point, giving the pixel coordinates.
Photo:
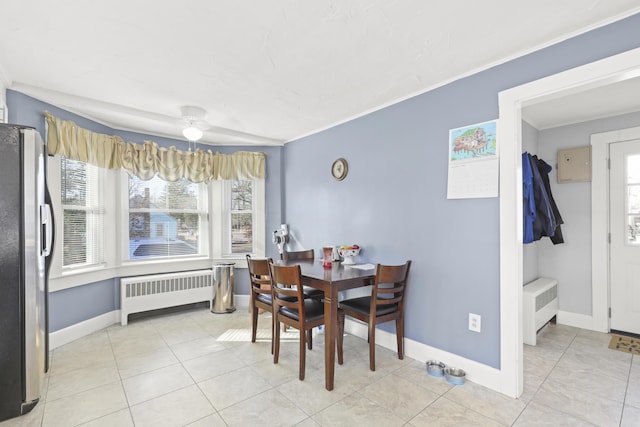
(600, 73)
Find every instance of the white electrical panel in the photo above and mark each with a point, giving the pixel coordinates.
(574, 164)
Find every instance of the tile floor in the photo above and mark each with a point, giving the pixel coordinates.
(170, 370)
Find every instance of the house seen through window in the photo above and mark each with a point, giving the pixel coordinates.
(164, 218)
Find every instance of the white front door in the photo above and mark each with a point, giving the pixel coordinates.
(624, 211)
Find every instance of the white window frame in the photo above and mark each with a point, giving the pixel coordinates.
(54, 183)
(221, 220)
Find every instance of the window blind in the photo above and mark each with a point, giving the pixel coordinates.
(83, 212)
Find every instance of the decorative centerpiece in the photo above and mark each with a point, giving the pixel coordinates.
(348, 252)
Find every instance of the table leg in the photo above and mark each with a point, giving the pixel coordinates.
(330, 333)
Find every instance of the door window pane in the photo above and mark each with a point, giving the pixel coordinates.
(633, 193)
(634, 230)
(633, 199)
(633, 169)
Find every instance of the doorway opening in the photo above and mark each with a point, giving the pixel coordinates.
(511, 102)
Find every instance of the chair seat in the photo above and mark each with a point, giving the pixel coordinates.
(363, 304)
(264, 298)
(314, 309)
(310, 292)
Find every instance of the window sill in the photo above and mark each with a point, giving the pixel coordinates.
(80, 277)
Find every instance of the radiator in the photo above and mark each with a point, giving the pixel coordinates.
(143, 293)
(540, 305)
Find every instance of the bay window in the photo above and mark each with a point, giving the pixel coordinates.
(110, 223)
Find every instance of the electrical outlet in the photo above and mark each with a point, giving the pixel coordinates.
(474, 322)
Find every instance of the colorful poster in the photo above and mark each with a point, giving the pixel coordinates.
(473, 161)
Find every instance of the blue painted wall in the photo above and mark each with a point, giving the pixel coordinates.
(74, 305)
(393, 202)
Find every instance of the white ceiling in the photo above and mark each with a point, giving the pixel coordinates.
(266, 72)
(605, 101)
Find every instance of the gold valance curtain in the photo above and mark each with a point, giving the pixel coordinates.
(108, 151)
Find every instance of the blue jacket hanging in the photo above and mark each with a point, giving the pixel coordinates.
(545, 222)
(529, 206)
(544, 168)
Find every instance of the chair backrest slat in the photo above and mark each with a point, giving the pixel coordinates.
(258, 267)
(388, 301)
(298, 255)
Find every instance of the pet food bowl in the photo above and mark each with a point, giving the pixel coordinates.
(435, 368)
(454, 375)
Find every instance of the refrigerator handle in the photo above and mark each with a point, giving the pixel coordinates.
(47, 228)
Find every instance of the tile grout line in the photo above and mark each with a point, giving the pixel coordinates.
(124, 392)
(626, 389)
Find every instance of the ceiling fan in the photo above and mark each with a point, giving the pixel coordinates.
(194, 123)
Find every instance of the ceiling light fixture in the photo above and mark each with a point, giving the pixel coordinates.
(194, 118)
(192, 133)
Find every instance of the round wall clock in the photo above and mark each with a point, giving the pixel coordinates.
(339, 169)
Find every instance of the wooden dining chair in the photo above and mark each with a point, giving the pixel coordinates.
(385, 303)
(298, 255)
(307, 255)
(260, 298)
(292, 308)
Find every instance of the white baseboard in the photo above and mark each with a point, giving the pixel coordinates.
(79, 330)
(476, 372)
(89, 326)
(576, 320)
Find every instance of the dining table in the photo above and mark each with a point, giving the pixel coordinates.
(331, 280)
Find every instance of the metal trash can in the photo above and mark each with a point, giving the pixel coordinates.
(222, 301)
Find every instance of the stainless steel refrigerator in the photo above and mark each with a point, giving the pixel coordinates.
(26, 238)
